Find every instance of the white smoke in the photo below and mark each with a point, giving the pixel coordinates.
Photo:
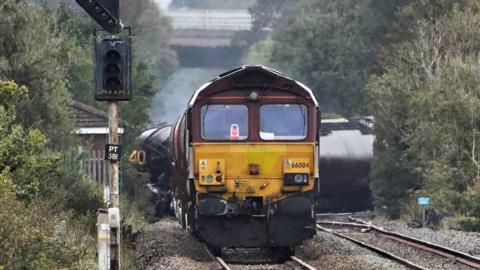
(173, 98)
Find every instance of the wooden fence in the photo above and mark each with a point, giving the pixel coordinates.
(95, 166)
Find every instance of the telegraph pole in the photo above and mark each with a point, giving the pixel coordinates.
(115, 230)
(113, 140)
(112, 84)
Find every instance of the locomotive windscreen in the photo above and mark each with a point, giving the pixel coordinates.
(283, 122)
(224, 122)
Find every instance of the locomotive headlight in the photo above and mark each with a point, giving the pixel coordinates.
(295, 179)
(209, 178)
(253, 96)
(211, 172)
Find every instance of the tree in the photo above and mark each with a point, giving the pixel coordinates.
(32, 59)
(31, 195)
(332, 46)
(270, 14)
(259, 54)
(152, 32)
(426, 105)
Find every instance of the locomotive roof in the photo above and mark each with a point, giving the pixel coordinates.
(269, 81)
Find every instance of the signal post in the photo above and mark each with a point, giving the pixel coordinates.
(112, 84)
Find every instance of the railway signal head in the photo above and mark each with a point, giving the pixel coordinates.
(113, 69)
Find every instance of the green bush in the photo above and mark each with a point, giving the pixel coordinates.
(471, 224)
(36, 195)
(29, 237)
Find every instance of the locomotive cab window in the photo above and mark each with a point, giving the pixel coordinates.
(224, 122)
(283, 122)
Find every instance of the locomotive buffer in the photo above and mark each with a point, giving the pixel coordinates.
(112, 84)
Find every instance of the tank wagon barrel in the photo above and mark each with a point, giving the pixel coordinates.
(346, 153)
(153, 157)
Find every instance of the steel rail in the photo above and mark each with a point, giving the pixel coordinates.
(424, 245)
(219, 260)
(302, 264)
(345, 214)
(294, 260)
(334, 214)
(373, 248)
(222, 263)
(344, 224)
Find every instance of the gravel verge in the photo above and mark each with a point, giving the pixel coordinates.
(167, 246)
(468, 242)
(327, 251)
(415, 255)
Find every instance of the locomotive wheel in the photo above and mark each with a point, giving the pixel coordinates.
(183, 219)
(162, 204)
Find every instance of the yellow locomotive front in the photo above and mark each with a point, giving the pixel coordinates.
(251, 169)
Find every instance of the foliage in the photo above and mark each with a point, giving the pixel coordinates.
(471, 224)
(48, 49)
(74, 190)
(36, 169)
(22, 154)
(28, 238)
(153, 62)
(151, 31)
(335, 46)
(31, 198)
(411, 64)
(331, 45)
(32, 59)
(270, 14)
(76, 51)
(259, 53)
(426, 106)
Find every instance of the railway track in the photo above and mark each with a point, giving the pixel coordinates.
(301, 264)
(356, 230)
(344, 216)
(294, 263)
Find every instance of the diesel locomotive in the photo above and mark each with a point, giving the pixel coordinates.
(249, 162)
(245, 168)
(244, 161)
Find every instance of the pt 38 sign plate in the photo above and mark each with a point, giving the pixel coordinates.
(112, 152)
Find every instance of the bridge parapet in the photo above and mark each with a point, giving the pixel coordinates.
(228, 20)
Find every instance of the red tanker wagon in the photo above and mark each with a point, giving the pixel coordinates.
(245, 161)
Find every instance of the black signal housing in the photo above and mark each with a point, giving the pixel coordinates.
(113, 69)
